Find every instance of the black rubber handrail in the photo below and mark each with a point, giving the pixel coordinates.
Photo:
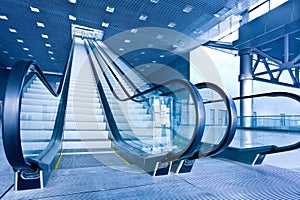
(199, 124)
(232, 112)
(109, 60)
(276, 149)
(12, 107)
(128, 64)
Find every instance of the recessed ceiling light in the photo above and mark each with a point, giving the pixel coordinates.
(40, 24)
(105, 24)
(153, 61)
(197, 31)
(143, 17)
(3, 17)
(154, 1)
(48, 45)
(50, 52)
(127, 41)
(33, 9)
(72, 1)
(25, 49)
(20, 41)
(71, 17)
(5, 52)
(45, 36)
(12, 58)
(121, 49)
(171, 25)
(162, 56)
(217, 15)
(159, 36)
(188, 9)
(30, 55)
(52, 58)
(143, 52)
(110, 9)
(12, 30)
(134, 30)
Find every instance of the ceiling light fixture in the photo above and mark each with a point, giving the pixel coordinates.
(110, 9)
(121, 49)
(154, 1)
(72, 1)
(40, 24)
(127, 41)
(143, 52)
(5, 52)
(25, 49)
(171, 25)
(143, 17)
(48, 45)
(133, 30)
(45, 36)
(105, 24)
(159, 36)
(150, 45)
(71, 17)
(297, 38)
(188, 8)
(12, 58)
(217, 15)
(12, 30)
(50, 52)
(20, 41)
(162, 56)
(3, 17)
(30, 55)
(33, 9)
(52, 58)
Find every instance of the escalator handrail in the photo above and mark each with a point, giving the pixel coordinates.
(232, 124)
(276, 149)
(100, 57)
(116, 67)
(12, 108)
(128, 64)
(199, 124)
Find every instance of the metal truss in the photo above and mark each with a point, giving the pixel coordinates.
(273, 69)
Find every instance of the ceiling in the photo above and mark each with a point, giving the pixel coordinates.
(40, 30)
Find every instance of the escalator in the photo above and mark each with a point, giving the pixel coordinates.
(100, 115)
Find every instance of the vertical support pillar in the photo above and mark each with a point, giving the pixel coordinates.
(246, 87)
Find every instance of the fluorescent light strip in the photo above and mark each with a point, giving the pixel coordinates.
(12, 30)
(105, 24)
(71, 17)
(48, 45)
(171, 25)
(50, 52)
(110, 9)
(154, 1)
(72, 1)
(188, 9)
(20, 41)
(33, 9)
(52, 58)
(45, 36)
(40, 24)
(3, 17)
(5, 52)
(30, 55)
(143, 17)
(25, 49)
(127, 41)
(133, 30)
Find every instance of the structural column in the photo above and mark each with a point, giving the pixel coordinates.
(246, 87)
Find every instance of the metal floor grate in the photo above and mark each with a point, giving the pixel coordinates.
(210, 179)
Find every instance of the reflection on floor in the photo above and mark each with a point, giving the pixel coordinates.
(254, 138)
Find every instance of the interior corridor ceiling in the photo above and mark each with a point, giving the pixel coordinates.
(142, 31)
